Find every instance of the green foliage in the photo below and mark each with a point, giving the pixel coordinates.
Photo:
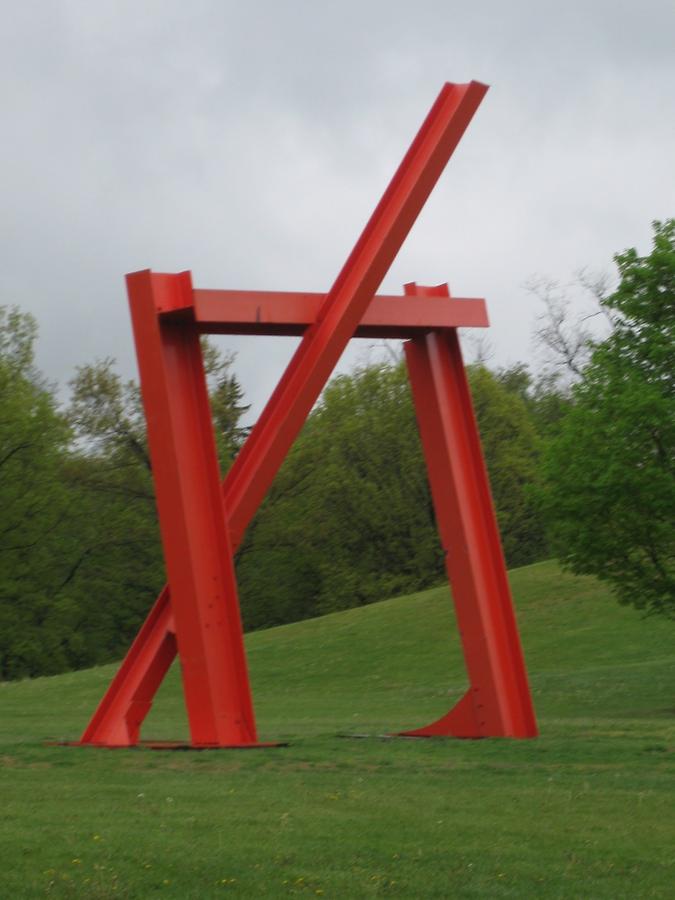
(119, 569)
(225, 397)
(36, 620)
(545, 400)
(80, 559)
(350, 518)
(610, 486)
(511, 449)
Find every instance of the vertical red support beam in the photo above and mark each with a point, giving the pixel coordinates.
(194, 533)
(498, 702)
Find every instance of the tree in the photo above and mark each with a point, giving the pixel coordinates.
(349, 519)
(36, 619)
(610, 485)
(117, 567)
(567, 339)
(511, 447)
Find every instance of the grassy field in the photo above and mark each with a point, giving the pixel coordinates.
(587, 810)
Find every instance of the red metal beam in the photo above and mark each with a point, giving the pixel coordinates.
(192, 520)
(291, 313)
(498, 702)
(118, 717)
(323, 343)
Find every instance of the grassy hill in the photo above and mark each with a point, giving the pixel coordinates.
(586, 810)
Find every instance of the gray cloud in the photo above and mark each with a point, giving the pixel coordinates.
(250, 143)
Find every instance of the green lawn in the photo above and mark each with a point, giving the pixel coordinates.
(586, 810)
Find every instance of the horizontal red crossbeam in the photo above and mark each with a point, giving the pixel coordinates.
(291, 313)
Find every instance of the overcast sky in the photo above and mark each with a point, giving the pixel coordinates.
(249, 142)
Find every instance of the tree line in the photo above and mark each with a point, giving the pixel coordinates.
(580, 467)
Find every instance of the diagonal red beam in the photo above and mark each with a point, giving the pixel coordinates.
(324, 341)
(292, 313)
(254, 469)
(118, 718)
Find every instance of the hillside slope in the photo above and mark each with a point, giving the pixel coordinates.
(398, 663)
(585, 810)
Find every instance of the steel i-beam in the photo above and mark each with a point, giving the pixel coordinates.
(498, 701)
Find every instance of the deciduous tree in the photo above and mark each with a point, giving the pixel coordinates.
(36, 618)
(610, 481)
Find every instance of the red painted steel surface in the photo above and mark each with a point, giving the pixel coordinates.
(498, 703)
(286, 313)
(201, 527)
(194, 532)
(324, 342)
(127, 701)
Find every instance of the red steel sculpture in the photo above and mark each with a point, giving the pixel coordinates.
(202, 522)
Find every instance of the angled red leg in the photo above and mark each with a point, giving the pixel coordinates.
(117, 721)
(257, 463)
(498, 702)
